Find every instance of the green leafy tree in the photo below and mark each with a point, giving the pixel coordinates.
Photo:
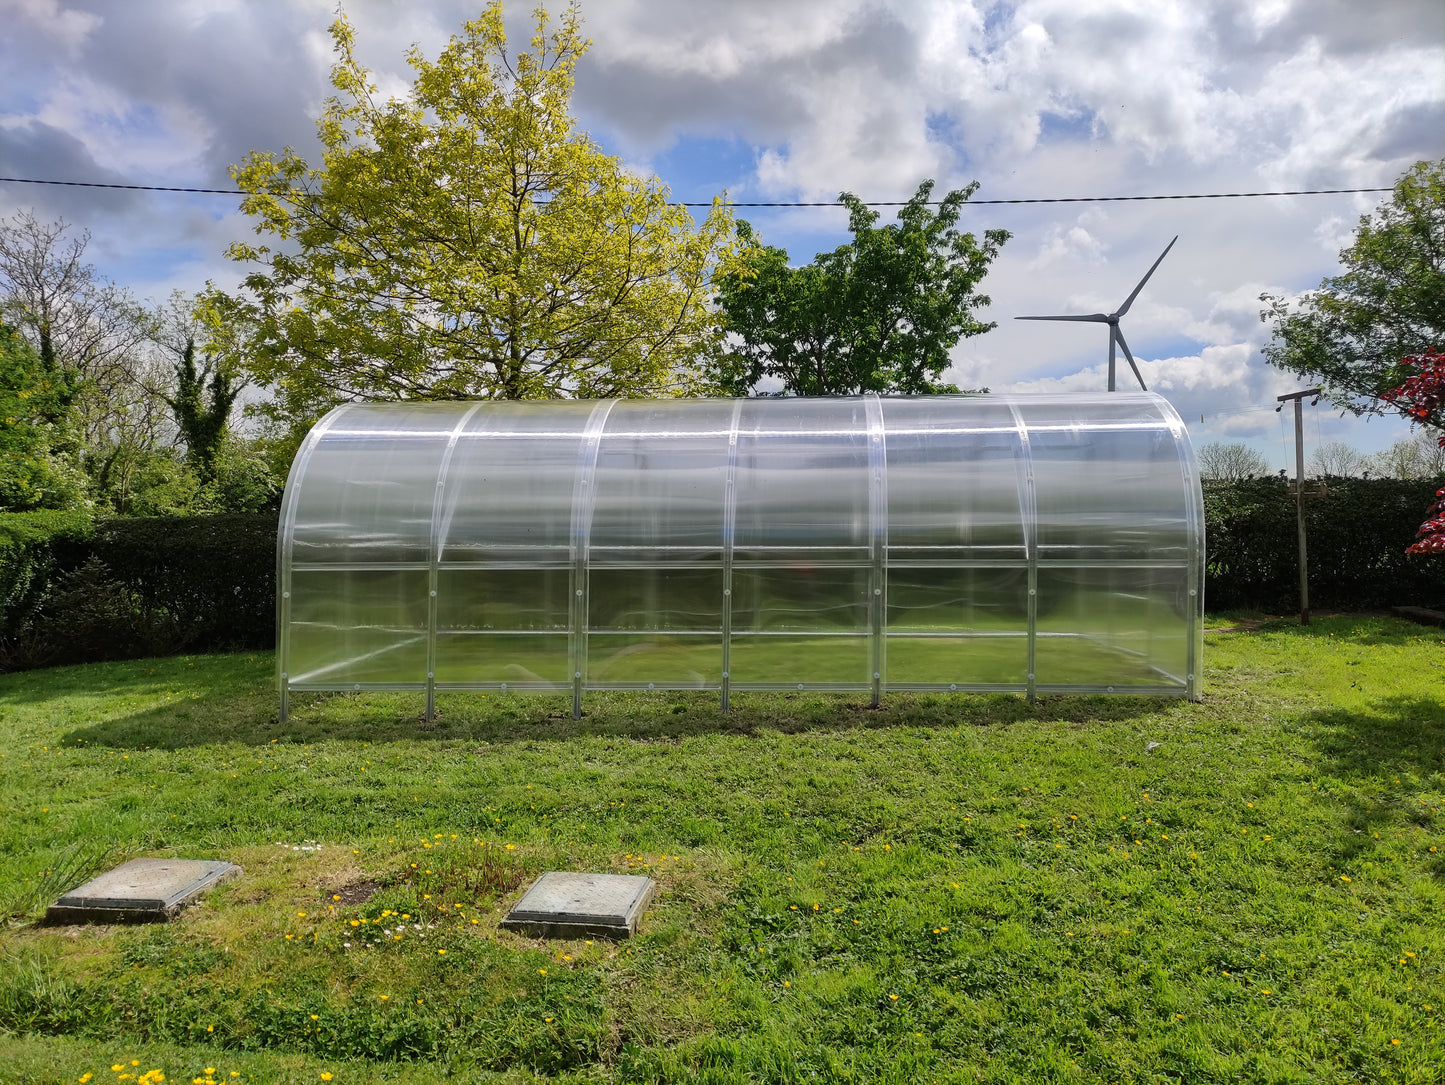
(38, 448)
(469, 241)
(1351, 334)
(878, 314)
(200, 338)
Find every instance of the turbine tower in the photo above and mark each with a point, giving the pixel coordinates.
(1112, 319)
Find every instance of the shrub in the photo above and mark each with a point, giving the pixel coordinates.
(31, 545)
(73, 591)
(1356, 533)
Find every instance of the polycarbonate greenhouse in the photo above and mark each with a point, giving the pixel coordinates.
(1036, 544)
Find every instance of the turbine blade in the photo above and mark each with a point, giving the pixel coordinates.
(1130, 301)
(1093, 318)
(1119, 335)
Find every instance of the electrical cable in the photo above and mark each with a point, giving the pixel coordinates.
(786, 203)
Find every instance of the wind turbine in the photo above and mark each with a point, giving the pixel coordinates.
(1112, 319)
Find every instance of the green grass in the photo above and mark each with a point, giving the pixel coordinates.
(949, 889)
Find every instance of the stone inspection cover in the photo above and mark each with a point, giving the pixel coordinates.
(140, 891)
(566, 905)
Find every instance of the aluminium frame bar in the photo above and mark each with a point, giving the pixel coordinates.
(584, 489)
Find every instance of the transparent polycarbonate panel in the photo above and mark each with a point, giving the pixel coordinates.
(953, 479)
(958, 600)
(1109, 481)
(663, 598)
(763, 659)
(530, 509)
(350, 626)
(661, 482)
(802, 480)
(997, 659)
(800, 598)
(510, 483)
(503, 600)
(1112, 627)
(518, 659)
(663, 659)
(368, 487)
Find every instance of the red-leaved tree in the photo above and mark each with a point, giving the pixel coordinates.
(1422, 397)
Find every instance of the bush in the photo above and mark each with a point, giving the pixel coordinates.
(1356, 534)
(31, 545)
(73, 591)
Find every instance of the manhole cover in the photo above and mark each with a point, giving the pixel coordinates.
(566, 905)
(140, 891)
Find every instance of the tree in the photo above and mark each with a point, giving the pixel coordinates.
(77, 323)
(1422, 397)
(878, 314)
(1336, 459)
(468, 241)
(1230, 463)
(1350, 334)
(205, 390)
(38, 468)
(1420, 456)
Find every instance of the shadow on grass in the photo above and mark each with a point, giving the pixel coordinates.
(1385, 750)
(1363, 629)
(222, 716)
(1394, 735)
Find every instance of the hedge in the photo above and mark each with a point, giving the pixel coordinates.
(1356, 534)
(74, 591)
(130, 587)
(31, 544)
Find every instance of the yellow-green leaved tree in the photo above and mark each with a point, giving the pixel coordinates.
(468, 241)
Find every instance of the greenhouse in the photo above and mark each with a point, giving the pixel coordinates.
(1026, 543)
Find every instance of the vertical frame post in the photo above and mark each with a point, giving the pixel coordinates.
(285, 541)
(1194, 573)
(1028, 512)
(730, 514)
(877, 544)
(583, 500)
(434, 557)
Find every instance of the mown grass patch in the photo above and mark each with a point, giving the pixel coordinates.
(949, 888)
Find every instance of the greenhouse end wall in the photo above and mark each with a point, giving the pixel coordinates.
(1036, 544)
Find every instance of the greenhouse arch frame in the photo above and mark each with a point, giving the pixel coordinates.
(1019, 543)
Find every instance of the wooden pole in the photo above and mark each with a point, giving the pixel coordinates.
(1299, 511)
(1299, 497)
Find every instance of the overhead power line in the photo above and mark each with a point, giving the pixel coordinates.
(789, 203)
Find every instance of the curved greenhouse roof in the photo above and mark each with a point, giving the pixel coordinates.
(1005, 542)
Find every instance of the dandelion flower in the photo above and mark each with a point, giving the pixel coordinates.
(541, 971)
(893, 997)
(325, 1075)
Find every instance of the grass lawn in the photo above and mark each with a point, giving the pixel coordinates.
(949, 889)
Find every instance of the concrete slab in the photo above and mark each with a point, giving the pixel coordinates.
(567, 905)
(140, 891)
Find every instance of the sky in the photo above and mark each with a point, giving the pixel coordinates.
(799, 100)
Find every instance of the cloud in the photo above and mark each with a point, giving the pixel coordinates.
(36, 150)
